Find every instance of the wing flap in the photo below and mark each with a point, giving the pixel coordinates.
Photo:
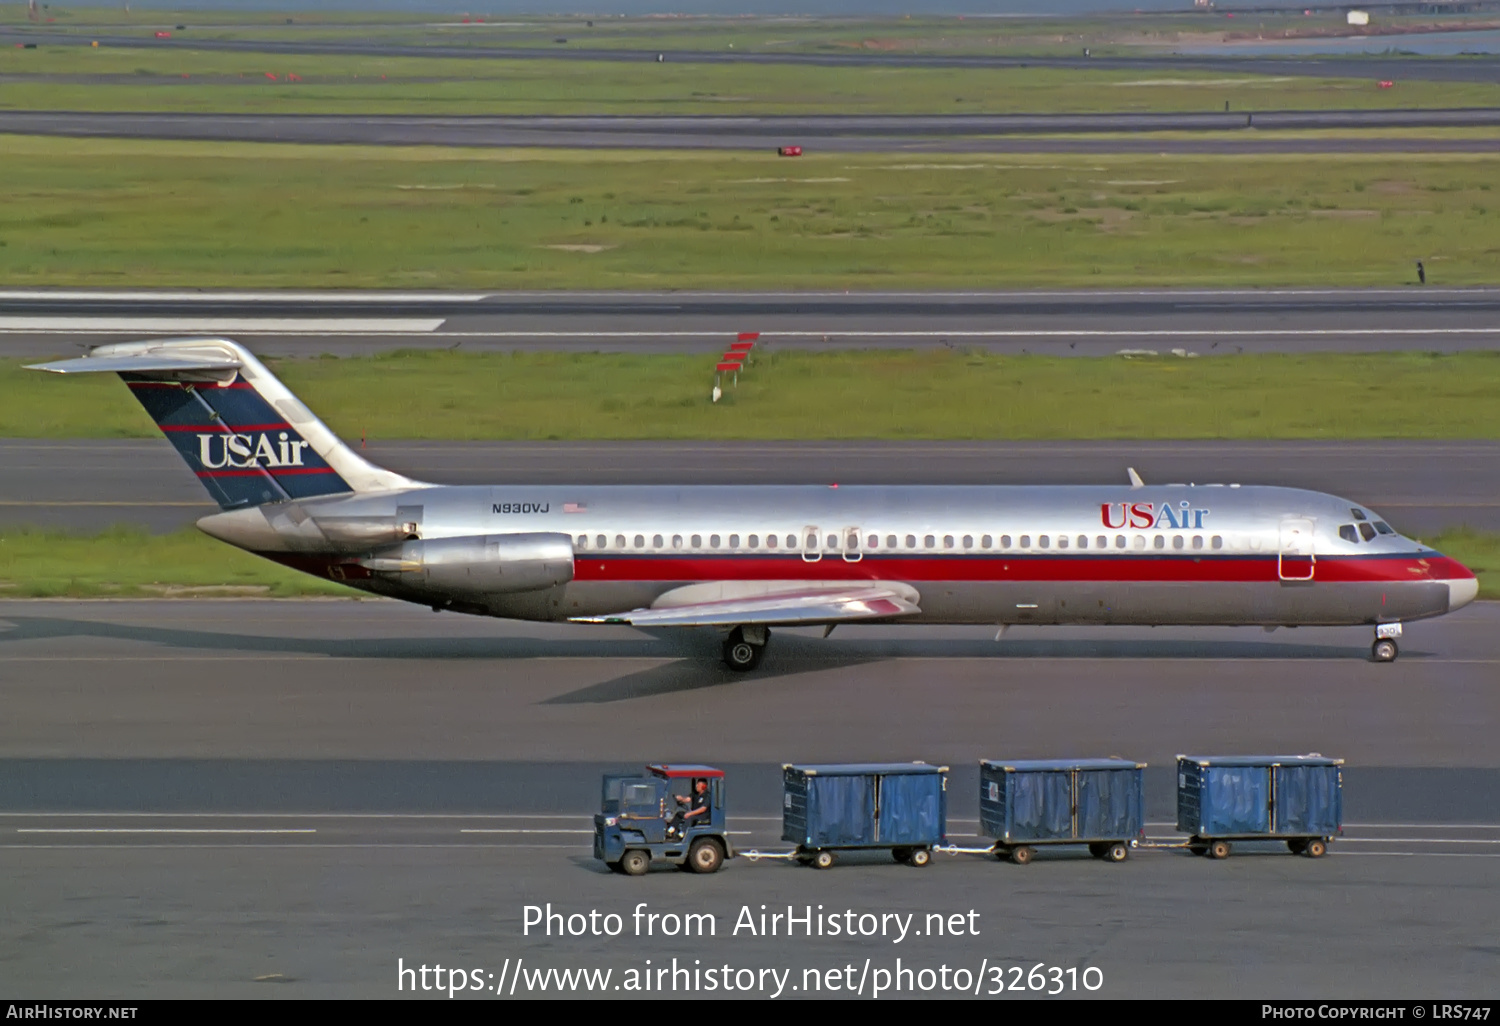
(797, 604)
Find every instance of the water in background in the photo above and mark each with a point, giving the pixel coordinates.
(1429, 44)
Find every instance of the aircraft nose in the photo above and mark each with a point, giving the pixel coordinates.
(1461, 592)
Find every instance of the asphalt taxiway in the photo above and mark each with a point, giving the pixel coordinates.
(259, 798)
(1422, 487)
(1211, 132)
(1205, 322)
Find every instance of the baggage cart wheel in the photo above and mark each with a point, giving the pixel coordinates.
(822, 860)
(1297, 845)
(1384, 651)
(1117, 852)
(635, 862)
(1219, 850)
(705, 856)
(1316, 848)
(900, 854)
(918, 857)
(1097, 850)
(1021, 854)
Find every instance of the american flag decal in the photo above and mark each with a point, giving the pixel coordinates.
(574, 507)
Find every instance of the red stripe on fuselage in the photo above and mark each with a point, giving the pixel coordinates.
(1246, 569)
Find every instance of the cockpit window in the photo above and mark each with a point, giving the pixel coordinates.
(1383, 527)
(1346, 532)
(1367, 532)
(1357, 514)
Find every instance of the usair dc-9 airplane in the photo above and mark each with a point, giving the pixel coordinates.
(745, 559)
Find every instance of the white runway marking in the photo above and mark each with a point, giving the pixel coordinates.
(211, 324)
(165, 830)
(75, 295)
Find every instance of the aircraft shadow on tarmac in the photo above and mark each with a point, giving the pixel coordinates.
(694, 654)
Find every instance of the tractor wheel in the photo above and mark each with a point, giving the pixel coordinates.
(635, 862)
(705, 856)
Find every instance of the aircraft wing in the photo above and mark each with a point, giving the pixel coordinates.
(141, 364)
(733, 603)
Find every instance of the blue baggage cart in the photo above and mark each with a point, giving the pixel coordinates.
(1293, 798)
(901, 807)
(1097, 802)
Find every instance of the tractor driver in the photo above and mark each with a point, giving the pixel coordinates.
(695, 806)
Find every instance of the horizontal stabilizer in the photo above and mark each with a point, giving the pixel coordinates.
(153, 363)
(729, 604)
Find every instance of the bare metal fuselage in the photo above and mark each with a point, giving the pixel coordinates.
(1175, 554)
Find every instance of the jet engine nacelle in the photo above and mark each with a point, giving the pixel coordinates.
(491, 564)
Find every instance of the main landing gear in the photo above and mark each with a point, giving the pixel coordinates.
(744, 647)
(1385, 649)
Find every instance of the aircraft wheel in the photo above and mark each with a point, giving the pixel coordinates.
(705, 856)
(1384, 651)
(635, 862)
(739, 654)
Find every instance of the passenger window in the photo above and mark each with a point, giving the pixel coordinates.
(1178, 541)
(872, 542)
(619, 541)
(947, 541)
(812, 542)
(697, 541)
(1005, 541)
(1083, 541)
(968, 541)
(984, 542)
(1062, 541)
(1197, 541)
(676, 541)
(1119, 541)
(1025, 541)
(1384, 528)
(770, 541)
(911, 541)
(1218, 542)
(791, 541)
(713, 541)
(583, 541)
(1044, 541)
(640, 541)
(930, 542)
(852, 542)
(1367, 532)
(656, 541)
(754, 540)
(601, 542)
(833, 541)
(1346, 532)
(1160, 541)
(734, 541)
(890, 541)
(1101, 542)
(1140, 541)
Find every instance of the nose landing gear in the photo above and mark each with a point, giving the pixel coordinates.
(744, 647)
(1385, 649)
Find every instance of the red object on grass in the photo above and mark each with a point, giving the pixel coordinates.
(727, 367)
(789, 151)
(1386, 83)
(271, 75)
(740, 347)
(748, 336)
(164, 35)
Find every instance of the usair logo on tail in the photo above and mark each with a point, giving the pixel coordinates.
(239, 452)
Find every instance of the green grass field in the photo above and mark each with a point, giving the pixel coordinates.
(145, 213)
(931, 394)
(118, 79)
(126, 563)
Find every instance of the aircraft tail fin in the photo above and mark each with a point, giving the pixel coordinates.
(245, 435)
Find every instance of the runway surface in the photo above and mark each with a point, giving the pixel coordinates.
(46, 323)
(258, 799)
(1476, 68)
(1027, 133)
(1422, 487)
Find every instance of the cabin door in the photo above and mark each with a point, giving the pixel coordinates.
(1295, 560)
